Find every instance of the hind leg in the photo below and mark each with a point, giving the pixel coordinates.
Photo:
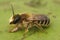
(40, 27)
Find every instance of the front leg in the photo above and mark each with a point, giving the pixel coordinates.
(14, 29)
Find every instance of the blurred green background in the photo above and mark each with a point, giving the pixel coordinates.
(53, 6)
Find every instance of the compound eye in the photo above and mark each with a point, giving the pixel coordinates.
(16, 20)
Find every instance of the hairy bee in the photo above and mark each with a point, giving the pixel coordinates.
(29, 21)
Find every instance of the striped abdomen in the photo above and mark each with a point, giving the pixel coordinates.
(42, 20)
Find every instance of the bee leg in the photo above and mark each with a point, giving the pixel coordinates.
(29, 25)
(14, 29)
(24, 35)
(39, 26)
(26, 29)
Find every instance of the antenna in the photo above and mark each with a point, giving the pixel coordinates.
(12, 9)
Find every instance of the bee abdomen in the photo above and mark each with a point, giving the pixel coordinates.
(44, 21)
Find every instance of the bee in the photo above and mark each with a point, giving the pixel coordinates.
(27, 21)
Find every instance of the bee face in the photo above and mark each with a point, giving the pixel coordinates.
(15, 19)
(10, 20)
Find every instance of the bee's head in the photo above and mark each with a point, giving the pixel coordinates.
(18, 18)
(15, 19)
